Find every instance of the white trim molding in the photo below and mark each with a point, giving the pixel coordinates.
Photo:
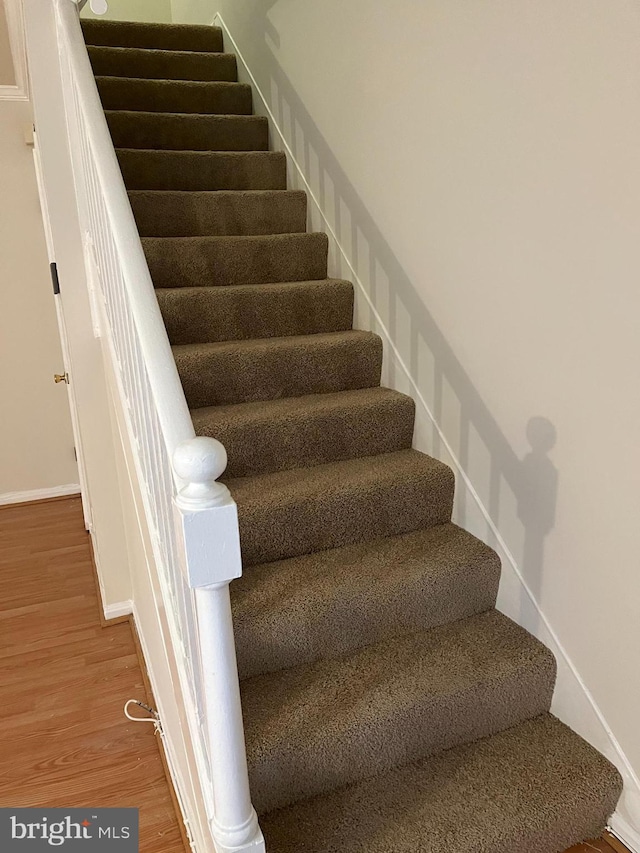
(39, 494)
(117, 610)
(623, 831)
(19, 91)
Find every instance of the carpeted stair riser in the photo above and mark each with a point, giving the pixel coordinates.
(155, 36)
(202, 170)
(331, 603)
(178, 213)
(276, 435)
(535, 788)
(208, 314)
(173, 131)
(224, 261)
(174, 96)
(269, 368)
(389, 704)
(295, 512)
(163, 64)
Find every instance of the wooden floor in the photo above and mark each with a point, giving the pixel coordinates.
(64, 740)
(611, 845)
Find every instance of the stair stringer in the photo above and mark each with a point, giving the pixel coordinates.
(573, 702)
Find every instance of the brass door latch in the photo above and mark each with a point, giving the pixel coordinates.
(61, 377)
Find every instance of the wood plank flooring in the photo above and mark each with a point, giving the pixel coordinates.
(601, 846)
(64, 740)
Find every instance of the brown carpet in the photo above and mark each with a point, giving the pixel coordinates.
(388, 706)
(202, 170)
(174, 213)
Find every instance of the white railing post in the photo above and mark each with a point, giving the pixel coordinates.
(207, 522)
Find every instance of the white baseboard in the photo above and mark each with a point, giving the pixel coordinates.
(623, 830)
(573, 702)
(120, 608)
(165, 743)
(39, 494)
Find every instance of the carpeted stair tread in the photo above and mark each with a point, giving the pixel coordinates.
(178, 96)
(220, 213)
(187, 131)
(301, 510)
(162, 64)
(143, 169)
(268, 368)
(151, 35)
(240, 312)
(330, 603)
(293, 432)
(225, 261)
(535, 788)
(316, 727)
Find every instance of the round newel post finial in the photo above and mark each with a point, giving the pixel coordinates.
(198, 462)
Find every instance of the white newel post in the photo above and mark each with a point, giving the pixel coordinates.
(207, 521)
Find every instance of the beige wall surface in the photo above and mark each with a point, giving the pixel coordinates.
(36, 441)
(7, 71)
(134, 10)
(479, 165)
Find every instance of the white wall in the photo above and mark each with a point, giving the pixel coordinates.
(36, 441)
(479, 165)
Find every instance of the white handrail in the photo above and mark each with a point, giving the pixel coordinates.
(166, 387)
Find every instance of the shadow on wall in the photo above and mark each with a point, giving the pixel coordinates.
(518, 494)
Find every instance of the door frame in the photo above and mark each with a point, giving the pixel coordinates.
(64, 344)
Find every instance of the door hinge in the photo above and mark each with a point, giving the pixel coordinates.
(54, 278)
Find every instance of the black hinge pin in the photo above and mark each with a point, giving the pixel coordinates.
(54, 278)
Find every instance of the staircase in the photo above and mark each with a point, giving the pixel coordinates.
(388, 706)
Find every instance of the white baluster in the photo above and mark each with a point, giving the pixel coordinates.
(207, 522)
